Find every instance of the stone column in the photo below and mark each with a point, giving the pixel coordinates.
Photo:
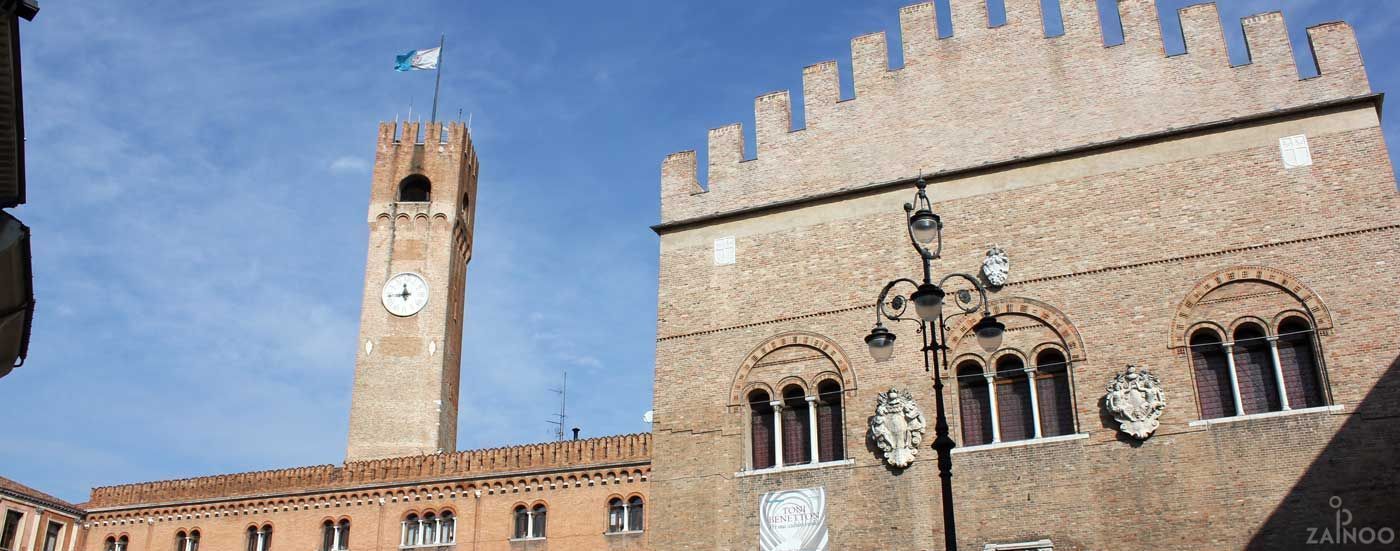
(1035, 402)
(812, 427)
(1278, 372)
(992, 399)
(777, 432)
(335, 536)
(1234, 378)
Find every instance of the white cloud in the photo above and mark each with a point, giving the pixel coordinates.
(349, 165)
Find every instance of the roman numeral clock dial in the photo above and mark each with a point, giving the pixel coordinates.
(405, 294)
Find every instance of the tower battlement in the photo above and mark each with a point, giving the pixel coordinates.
(987, 95)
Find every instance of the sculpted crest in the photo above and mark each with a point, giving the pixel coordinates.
(897, 427)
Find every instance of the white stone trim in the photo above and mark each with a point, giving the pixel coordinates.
(1018, 443)
(1038, 545)
(798, 467)
(1319, 409)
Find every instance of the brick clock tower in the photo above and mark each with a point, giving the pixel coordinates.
(408, 363)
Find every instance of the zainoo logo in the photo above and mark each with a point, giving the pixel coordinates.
(1343, 532)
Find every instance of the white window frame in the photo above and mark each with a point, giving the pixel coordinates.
(529, 524)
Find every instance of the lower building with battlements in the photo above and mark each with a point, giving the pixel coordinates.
(1194, 264)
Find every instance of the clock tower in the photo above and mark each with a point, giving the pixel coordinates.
(408, 363)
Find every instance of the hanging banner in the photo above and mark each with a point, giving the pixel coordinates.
(793, 520)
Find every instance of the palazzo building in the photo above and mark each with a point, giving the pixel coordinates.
(1231, 230)
(1220, 239)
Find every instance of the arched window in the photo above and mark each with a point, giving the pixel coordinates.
(635, 517)
(974, 408)
(1053, 393)
(111, 544)
(617, 515)
(1014, 413)
(335, 536)
(1298, 361)
(761, 430)
(447, 527)
(118, 544)
(1210, 365)
(411, 527)
(537, 521)
(796, 427)
(194, 540)
(522, 523)
(430, 529)
(1254, 370)
(415, 189)
(182, 540)
(266, 533)
(831, 437)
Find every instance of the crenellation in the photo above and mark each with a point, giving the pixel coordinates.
(772, 119)
(918, 32)
(396, 469)
(1081, 21)
(1337, 55)
(1141, 26)
(726, 151)
(1203, 35)
(870, 62)
(1025, 17)
(821, 90)
(1267, 45)
(969, 18)
(1030, 95)
(388, 136)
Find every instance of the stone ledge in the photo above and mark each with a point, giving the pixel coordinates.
(1019, 443)
(1285, 413)
(802, 467)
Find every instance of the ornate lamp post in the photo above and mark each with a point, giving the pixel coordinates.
(925, 230)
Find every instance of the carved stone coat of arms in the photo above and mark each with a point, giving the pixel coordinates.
(897, 427)
(996, 266)
(1136, 400)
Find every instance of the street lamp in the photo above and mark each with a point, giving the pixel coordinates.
(925, 229)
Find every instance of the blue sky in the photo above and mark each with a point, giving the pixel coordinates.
(198, 173)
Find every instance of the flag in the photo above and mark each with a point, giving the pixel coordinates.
(418, 60)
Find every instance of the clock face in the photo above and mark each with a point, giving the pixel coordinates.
(405, 294)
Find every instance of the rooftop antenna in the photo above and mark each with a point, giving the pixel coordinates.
(561, 419)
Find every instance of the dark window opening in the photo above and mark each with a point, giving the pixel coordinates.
(415, 189)
(1254, 370)
(1208, 363)
(761, 429)
(974, 405)
(831, 441)
(1053, 391)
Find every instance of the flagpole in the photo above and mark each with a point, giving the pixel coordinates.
(438, 85)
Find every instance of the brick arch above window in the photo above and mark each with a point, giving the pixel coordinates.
(817, 344)
(1257, 321)
(1008, 309)
(1312, 305)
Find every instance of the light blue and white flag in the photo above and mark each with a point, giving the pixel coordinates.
(418, 60)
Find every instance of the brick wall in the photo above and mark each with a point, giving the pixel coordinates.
(1113, 238)
(574, 479)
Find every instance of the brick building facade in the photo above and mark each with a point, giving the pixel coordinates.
(1231, 229)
